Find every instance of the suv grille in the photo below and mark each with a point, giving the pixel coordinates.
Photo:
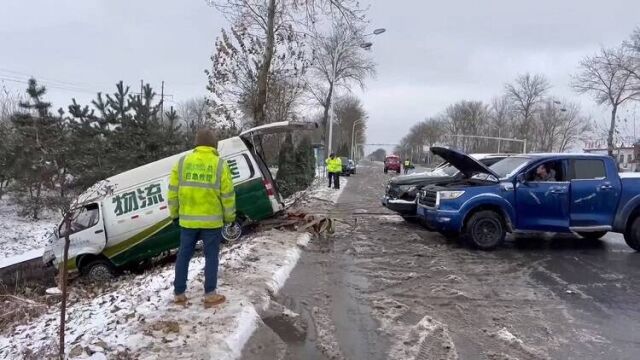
(428, 198)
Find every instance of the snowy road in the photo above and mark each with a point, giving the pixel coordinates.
(386, 289)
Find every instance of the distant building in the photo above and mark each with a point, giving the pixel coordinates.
(625, 156)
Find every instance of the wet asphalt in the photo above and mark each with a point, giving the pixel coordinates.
(366, 292)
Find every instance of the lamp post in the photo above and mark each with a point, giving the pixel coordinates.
(353, 136)
(339, 47)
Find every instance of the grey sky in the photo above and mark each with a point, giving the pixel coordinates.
(433, 53)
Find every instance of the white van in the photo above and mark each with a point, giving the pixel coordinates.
(125, 219)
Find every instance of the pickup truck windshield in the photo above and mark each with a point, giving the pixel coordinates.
(504, 168)
(508, 167)
(446, 170)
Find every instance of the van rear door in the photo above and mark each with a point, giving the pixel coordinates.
(278, 127)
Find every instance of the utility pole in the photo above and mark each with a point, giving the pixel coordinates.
(162, 101)
(141, 90)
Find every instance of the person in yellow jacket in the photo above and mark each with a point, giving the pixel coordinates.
(334, 168)
(201, 202)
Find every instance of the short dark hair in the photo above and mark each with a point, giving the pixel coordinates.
(206, 137)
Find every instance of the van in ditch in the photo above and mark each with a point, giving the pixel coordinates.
(125, 220)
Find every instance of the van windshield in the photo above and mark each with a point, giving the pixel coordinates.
(81, 219)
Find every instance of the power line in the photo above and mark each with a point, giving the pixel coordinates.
(50, 80)
(48, 85)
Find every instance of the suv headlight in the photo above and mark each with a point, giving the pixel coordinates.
(407, 188)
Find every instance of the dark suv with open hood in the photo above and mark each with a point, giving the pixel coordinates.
(401, 191)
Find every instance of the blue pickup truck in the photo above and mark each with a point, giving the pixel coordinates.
(563, 193)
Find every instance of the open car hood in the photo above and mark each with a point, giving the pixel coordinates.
(279, 127)
(463, 162)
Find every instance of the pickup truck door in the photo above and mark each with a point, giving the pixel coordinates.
(594, 193)
(543, 205)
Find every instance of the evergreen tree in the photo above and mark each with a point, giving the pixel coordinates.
(306, 162)
(38, 150)
(287, 167)
(296, 167)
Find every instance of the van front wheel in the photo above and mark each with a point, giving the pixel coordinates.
(99, 270)
(485, 230)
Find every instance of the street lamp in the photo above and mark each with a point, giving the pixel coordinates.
(363, 45)
(353, 136)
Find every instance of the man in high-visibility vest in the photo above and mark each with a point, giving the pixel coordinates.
(201, 202)
(407, 165)
(334, 168)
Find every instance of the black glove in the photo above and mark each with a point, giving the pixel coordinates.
(176, 222)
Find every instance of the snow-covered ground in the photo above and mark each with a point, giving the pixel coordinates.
(320, 190)
(135, 315)
(19, 235)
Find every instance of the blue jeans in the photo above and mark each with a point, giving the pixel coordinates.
(188, 239)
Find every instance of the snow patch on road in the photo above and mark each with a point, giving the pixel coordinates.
(428, 339)
(19, 235)
(505, 335)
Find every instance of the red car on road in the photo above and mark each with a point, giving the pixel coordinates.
(392, 162)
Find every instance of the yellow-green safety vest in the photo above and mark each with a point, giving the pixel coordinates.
(201, 191)
(334, 165)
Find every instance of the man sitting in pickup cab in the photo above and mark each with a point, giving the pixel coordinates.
(544, 172)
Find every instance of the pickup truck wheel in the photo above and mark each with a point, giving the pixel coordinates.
(592, 235)
(485, 230)
(99, 270)
(632, 235)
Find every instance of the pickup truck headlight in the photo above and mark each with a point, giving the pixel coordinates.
(450, 195)
(447, 195)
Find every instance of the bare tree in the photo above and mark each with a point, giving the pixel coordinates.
(269, 23)
(9, 104)
(193, 114)
(607, 78)
(467, 118)
(573, 126)
(350, 115)
(557, 128)
(338, 60)
(525, 94)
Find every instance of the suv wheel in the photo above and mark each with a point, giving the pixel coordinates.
(485, 230)
(632, 235)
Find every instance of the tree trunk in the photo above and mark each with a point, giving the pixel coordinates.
(612, 129)
(63, 282)
(325, 114)
(263, 76)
